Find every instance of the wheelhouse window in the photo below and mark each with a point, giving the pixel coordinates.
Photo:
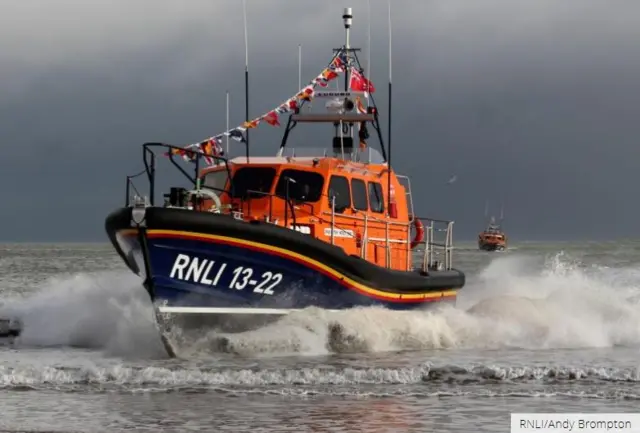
(216, 180)
(305, 186)
(359, 193)
(339, 187)
(254, 182)
(376, 199)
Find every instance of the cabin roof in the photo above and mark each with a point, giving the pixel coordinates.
(272, 160)
(323, 164)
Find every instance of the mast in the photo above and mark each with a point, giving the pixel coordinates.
(246, 74)
(389, 114)
(347, 17)
(368, 44)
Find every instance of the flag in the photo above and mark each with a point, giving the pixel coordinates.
(209, 148)
(306, 94)
(359, 83)
(340, 62)
(321, 81)
(188, 156)
(236, 134)
(328, 74)
(293, 104)
(173, 151)
(272, 118)
(252, 124)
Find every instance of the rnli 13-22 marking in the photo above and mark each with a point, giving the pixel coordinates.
(204, 271)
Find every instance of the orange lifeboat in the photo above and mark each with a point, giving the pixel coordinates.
(263, 236)
(492, 239)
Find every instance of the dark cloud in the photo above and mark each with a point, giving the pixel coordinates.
(530, 103)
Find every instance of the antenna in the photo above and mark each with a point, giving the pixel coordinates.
(246, 73)
(299, 68)
(347, 17)
(227, 135)
(368, 42)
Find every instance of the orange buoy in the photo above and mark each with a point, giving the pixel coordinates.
(419, 237)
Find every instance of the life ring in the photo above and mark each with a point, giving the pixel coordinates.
(419, 237)
(210, 194)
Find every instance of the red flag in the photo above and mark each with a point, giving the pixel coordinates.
(272, 118)
(293, 104)
(359, 83)
(328, 74)
(306, 94)
(208, 148)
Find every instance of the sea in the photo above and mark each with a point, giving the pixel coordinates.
(542, 327)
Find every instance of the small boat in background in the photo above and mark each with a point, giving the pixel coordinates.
(493, 238)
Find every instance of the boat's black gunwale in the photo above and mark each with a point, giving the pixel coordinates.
(362, 271)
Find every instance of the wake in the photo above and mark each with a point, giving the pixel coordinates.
(518, 301)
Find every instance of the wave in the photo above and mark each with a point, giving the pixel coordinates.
(517, 301)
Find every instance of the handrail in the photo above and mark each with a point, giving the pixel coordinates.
(130, 185)
(149, 161)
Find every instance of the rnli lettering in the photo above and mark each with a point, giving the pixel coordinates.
(205, 271)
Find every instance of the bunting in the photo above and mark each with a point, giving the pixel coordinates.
(211, 147)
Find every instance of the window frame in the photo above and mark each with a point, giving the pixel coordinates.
(339, 209)
(355, 181)
(283, 173)
(234, 195)
(371, 186)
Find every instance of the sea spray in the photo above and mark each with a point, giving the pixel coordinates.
(516, 301)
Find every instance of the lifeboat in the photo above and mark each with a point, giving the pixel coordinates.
(255, 237)
(492, 239)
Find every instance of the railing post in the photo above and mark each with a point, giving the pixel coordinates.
(152, 183)
(127, 192)
(286, 203)
(409, 258)
(388, 251)
(333, 216)
(430, 245)
(365, 235)
(427, 241)
(450, 249)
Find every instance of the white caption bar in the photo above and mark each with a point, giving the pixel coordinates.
(575, 422)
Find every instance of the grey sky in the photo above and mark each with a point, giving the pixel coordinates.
(530, 102)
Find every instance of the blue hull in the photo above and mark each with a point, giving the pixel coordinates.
(198, 264)
(202, 274)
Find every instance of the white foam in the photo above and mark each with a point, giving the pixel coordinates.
(107, 310)
(517, 301)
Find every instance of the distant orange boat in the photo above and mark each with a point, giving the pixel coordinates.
(492, 238)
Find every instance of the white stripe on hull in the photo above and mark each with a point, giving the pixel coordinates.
(231, 310)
